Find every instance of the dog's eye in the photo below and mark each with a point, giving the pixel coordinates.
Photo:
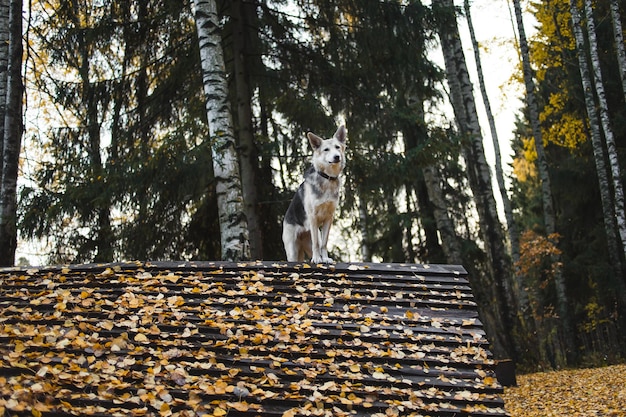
(326, 149)
(336, 146)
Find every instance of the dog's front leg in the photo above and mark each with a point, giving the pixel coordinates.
(324, 241)
(316, 257)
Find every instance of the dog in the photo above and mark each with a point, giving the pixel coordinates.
(308, 219)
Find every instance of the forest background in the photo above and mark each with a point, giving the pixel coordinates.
(125, 160)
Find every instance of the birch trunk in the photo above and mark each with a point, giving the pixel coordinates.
(549, 219)
(508, 210)
(232, 218)
(479, 176)
(596, 141)
(248, 155)
(611, 148)
(619, 42)
(12, 138)
(549, 216)
(521, 296)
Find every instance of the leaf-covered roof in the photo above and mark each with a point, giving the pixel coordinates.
(248, 339)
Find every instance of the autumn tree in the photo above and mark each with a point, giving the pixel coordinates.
(608, 206)
(588, 259)
(479, 176)
(11, 135)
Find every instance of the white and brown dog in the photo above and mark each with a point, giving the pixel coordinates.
(310, 214)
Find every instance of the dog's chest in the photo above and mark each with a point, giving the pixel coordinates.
(324, 211)
(322, 198)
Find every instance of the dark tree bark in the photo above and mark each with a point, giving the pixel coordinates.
(248, 154)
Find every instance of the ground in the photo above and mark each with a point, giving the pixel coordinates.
(581, 392)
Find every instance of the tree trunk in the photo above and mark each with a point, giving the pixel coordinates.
(618, 188)
(232, 218)
(5, 28)
(366, 253)
(521, 296)
(619, 42)
(103, 240)
(508, 210)
(247, 147)
(549, 219)
(12, 138)
(479, 176)
(597, 145)
(449, 239)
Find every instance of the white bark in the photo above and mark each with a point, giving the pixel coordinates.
(506, 202)
(618, 188)
(479, 174)
(542, 167)
(232, 219)
(549, 218)
(619, 42)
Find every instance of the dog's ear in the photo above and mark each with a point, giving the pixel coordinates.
(314, 140)
(340, 134)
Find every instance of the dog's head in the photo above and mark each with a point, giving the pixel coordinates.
(329, 154)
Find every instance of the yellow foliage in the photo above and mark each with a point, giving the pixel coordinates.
(568, 131)
(561, 127)
(524, 167)
(554, 37)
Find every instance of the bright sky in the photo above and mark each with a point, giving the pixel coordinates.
(496, 35)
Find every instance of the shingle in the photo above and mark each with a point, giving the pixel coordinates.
(248, 339)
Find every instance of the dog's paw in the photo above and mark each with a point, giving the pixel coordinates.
(322, 260)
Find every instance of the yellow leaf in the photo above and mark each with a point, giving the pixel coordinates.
(107, 325)
(140, 337)
(19, 346)
(219, 412)
(240, 406)
(290, 413)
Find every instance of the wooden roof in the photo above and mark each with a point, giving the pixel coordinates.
(248, 339)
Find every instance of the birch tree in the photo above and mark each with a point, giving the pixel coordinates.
(619, 42)
(12, 138)
(549, 216)
(506, 201)
(479, 175)
(611, 148)
(549, 219)
(232, 219)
